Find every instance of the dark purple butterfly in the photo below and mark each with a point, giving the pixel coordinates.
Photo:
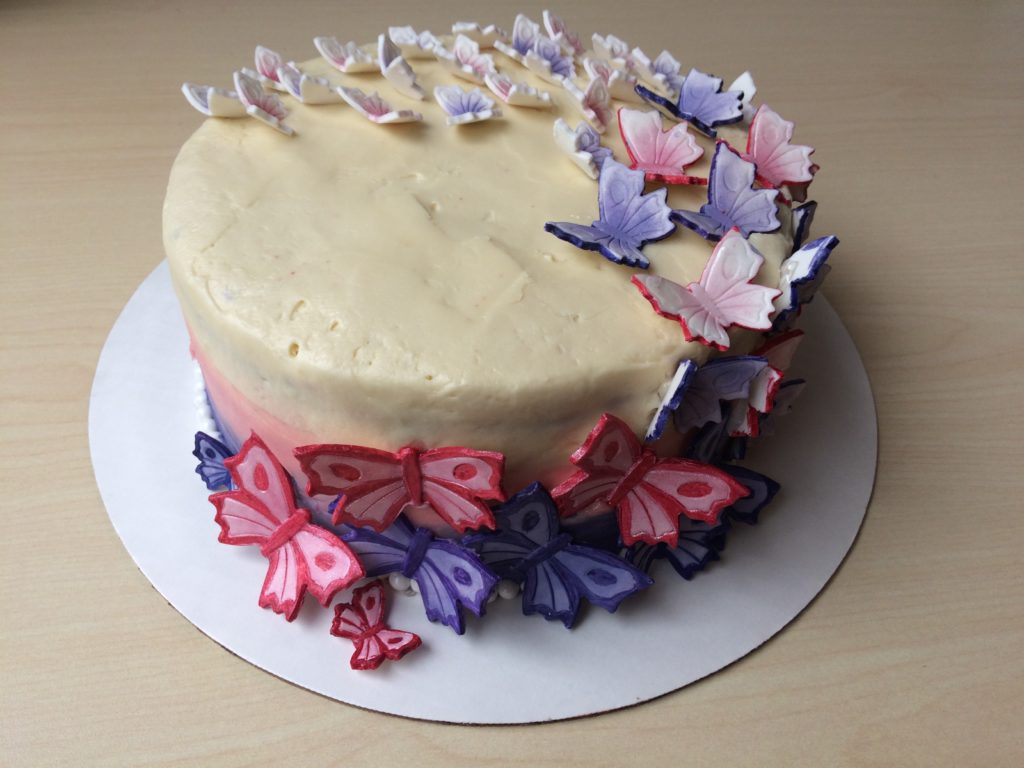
(555, 573)
(724, 378)
(803, 217)
(629, 219)
(211, 454)
(762, 490)
(701, 102)
(788, 392)
(800, 277)
(698, 545)
(732, 200)
(448, 575)
(714, 444)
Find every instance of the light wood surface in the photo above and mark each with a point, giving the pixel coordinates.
(911, 656)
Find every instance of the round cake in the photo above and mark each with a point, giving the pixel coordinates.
(383, 285)
(420, 303)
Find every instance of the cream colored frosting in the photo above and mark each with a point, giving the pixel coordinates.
(383, 285)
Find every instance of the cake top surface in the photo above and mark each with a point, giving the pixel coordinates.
(417, 252)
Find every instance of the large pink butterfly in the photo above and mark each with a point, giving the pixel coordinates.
(362, 622)
(648, 493)
(261, 510)
(377, 485)
(723, 297)
(661, 155)
(779, 163)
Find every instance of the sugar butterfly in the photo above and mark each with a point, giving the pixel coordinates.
(361, 620)
(261, 510)
(661, 155)
(701, 102)
(723, 297)
(556, 574)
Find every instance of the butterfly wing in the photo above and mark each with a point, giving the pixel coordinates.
(650, 511)
(456, 480)
(284, 586)
(606, 455)
(503, 552)
(697, 546)
(762, 490)
(601, 577)
(451, 577)
(661, 155)
(803, 217)
(725, 378)
(369, 481)
(732, 198)
(211, 454)
(262, 498)
(779, 163)
(802, 274)
(547, 591)
(726, 279)
(530, 513)
(327, 564)
(702, 103)
(395, 643)
(675, 396)
(688, 306)
(380, 553)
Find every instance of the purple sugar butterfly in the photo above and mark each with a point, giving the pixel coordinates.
(701, 102)
(449, 576)
(803, 217)
(698, 545)
(800, 277)
(525, 32)
(732, 200)
(629, 219)
(677, 389)
(724, 378)
(713, 444)
(555, 573)
(465, 107)
(211, 453)
(762, 490)
(545, 59)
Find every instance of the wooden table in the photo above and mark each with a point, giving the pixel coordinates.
(912, 655)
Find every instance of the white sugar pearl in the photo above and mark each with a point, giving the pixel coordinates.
(507, 589)
(398, 582)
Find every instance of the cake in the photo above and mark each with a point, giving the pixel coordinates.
(507, 284)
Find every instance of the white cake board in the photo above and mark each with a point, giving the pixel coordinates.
(507, 668)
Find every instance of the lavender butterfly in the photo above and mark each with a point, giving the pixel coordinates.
(701, 102)
(450, 577)
(724, 378)
(629, 219)
(800, 277)
(698, 545)
(464, 107)
(762, 490)
(557, 574)
(732, 200)
(211, 453)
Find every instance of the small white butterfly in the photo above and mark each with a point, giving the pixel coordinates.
(213, 102)
(267, 64)
(349, 58)
(485, 37)
(465, 107)
(620, 82)
(723, 297)
(265, 107)
(308, 89)
(396, 69)
(375, 109)
(516, 94)
(594, 103)
(561, 34)
(582, 145)
(413, 44)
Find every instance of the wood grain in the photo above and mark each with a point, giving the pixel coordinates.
(912, 656)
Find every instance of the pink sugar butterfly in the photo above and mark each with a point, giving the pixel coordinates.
(362, 622)
(649, 494)
(375, 485)
(661, 155)
(265, 107)
(779, 162)
(261, 510)
(723, 297)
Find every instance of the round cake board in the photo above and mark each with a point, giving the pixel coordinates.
(507, 668)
